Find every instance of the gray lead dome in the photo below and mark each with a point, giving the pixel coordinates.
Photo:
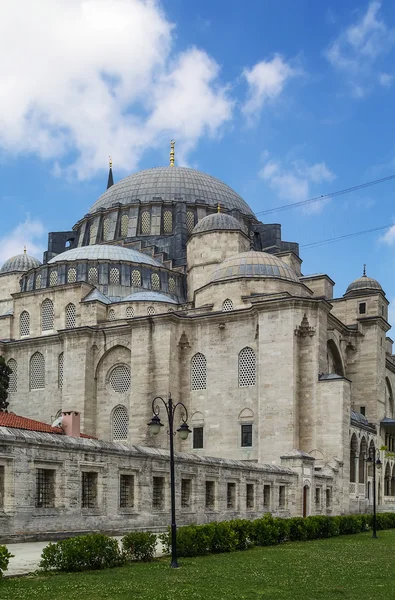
(20, 263)
(217, 221)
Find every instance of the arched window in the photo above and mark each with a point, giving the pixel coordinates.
(53, 278)
(198, 372)
(150, 310)
(387, 480)
(13, 384)
(247, 367)
(167, 221)
(136, 278)
(111, 314)
(120, 423)
(47, 315)
(37, 371)
(119, 379)
(389, 400)
(92, 275)
(71, 275)
(70, 316)
(190, 219)
(227, 305)
(114, 276)
(106, 228)
(24, 323)
(362, 460)
(124, 225)
(172, 285)
(93, 233)
(60, 369)
(155, 281)
(129, 312)
(146, 221)
(38, 281)
(353, 455)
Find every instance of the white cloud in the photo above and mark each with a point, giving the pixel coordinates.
(294, 183)
(357, 49)
(386, 79)
(389, 236)
(88, 78)
(30, 233)
(266, 81)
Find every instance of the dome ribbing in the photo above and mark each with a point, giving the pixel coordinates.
(20, 263)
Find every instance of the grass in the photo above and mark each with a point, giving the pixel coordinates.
(351, 567)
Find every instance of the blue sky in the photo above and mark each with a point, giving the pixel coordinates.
(281, 100)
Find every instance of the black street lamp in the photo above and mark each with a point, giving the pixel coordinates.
(183, 431)
(374, 459)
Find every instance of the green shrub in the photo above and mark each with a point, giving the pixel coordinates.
(93, 551)
(298, 532)
(139, 545)
(5, 556)
(350, 524)
(243, 529)
(223, 538)
(264, 532)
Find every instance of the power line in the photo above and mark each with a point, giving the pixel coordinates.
(343, 237)
(324, 196)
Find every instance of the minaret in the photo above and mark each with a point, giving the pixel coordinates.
(110, 181)
(172, 144)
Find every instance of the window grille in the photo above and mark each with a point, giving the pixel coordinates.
(119, 379)
(124, 225)
(145, 221)
(13, 382)
(2, 485)
(266, 496)
(281, 496)
(89, 489)
(126, 491)
(106, 228)
(155, 281)
(114, 276)
(198, 372)
(120, 423)
(70, 316)
(328, 495)
(210, 494)
(136, 278)
(250, 499)
(38, 281)
(47, 315)
(71, 275)
(129, 312)
(167, 221)
(247, 367)
(186, 492)
(30, 283)
(227, 305)
(198, 437)
(231, 495)
(45, 488)
(158, 492)
(150, 310)
(111, 315)
(92, 275)
(190, 219)
(172, 285)
(37, 371)
(246, 436)
(318, 497)
(53, 278)
(24, 323)
(93, 234)
(60, 369)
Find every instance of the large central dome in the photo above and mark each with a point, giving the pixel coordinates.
(170, 183)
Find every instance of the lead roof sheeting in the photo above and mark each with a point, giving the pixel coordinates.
(104, 252)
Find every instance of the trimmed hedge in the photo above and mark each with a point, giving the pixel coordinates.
(240, 534)
(139, 545)
(5, 556)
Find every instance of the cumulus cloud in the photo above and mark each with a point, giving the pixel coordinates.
(389, 236)
(356, 50)
(88, 78)
(266, 81)
(29, 233)
(295, 182)
(386, 79)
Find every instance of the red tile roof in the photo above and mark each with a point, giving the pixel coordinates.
(16, 422)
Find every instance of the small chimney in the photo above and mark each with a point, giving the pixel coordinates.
(71, 423)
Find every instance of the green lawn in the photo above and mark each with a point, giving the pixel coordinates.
(353, 567)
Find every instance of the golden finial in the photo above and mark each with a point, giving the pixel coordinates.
(172, 143)
(110, 161)
(24, 249)
(218, 208)
(364, 271)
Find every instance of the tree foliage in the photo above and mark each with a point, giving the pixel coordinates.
(5, 373)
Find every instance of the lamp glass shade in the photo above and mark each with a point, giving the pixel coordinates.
(155, 425)
(184, 431)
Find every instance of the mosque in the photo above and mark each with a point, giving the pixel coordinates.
(170, 283)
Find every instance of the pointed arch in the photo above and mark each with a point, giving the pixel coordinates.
(353, 456)
(227, 305)
(247, 367)
(120, 423)
(363, 449)
(13, 383)
(47, 315)
(198, 372)
(389, 400)
(24, 323)
(37, 371)
(60, 369)
(70, 316)
(334, 359)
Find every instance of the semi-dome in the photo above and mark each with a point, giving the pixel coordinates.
(169, 184)
(20, 263)
(253, 264)
(149, 296)
(217, 221)
(104, 252)
(363, 284)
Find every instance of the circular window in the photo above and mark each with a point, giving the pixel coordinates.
(119, 379)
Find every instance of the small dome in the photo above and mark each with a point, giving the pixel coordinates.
(217, 221)
(20, 262)
(364, 283)
(104, 252)
(148, 297)
(253, 264)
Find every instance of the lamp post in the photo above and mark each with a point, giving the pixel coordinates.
(155, 425)
(374, 459)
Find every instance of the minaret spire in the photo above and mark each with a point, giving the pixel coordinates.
(364, 271)
(110, 180)
(172, 144)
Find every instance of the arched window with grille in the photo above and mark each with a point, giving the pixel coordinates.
(13, 383)
(38, 281)
(71, 275)
(198, 372)
(119, 379)
(124, 225)
(114, 276)
(60, 369)
(37, 371)
(120, 423)
(24, 323)
(92, 234)
(92, 275)
(247, 367)
(227, 305)
(129, 312)
(167, 221)
(171, 285)
(53, 278)
(47, 315)
(71, 317)
(111, 314)
(146, 221)
(150, 310)
(190, 219)
(136, 278)
(106, 228)
(155, 281)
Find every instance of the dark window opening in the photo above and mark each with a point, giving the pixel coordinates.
(198, 437)
(2, 486)
(266, 496)
(126, 491)
(281, 496)
(158, 492)
(250, 500)
(89, 489)
(210, 494)
(45, 488)
(362, 410)
(328, 497)
(186, 493)
(231, 495)
(362, 308)
(246, 435)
